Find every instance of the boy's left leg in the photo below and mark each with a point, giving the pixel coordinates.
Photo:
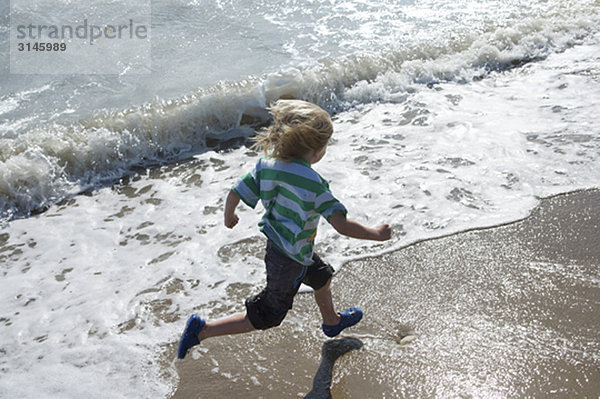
(235, 324)
(197, 329)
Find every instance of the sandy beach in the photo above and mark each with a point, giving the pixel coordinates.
(510, 311)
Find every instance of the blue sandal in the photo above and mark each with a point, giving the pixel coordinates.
(350, 317)
(189, 338)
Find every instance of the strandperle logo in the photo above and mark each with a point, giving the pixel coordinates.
(83, 37)
(84, 31)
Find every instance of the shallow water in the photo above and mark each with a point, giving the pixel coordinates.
(491, 312)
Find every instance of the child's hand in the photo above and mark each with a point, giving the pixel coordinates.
(231, 220)
(232, 201)
(354, 229)
(384, 232)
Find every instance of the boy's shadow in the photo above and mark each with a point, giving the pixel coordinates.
(331, 351)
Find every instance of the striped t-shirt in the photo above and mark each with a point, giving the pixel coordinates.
(294, 197)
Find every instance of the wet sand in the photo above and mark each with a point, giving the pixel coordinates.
(510, 311)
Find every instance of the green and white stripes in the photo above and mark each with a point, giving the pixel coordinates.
(294, 197)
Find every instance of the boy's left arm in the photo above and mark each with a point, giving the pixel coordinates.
(231, 203)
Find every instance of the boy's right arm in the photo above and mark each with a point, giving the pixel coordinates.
(232, 201)
(354, 229)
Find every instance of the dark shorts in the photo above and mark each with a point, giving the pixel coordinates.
(284, 275)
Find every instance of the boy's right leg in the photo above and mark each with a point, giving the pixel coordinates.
(325, 303)
(334, 323)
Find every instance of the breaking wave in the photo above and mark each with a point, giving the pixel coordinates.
(55, 161)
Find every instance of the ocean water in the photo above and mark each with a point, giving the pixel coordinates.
(448, 116)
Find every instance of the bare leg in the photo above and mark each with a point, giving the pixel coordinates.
(325, 303)
(234, 324)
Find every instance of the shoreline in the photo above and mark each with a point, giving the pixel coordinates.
(386, 251)
(505, 310)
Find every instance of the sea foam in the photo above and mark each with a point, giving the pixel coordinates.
(55, 161)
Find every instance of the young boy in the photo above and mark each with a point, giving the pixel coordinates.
(294, 197)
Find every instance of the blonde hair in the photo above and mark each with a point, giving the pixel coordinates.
(298, 127)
